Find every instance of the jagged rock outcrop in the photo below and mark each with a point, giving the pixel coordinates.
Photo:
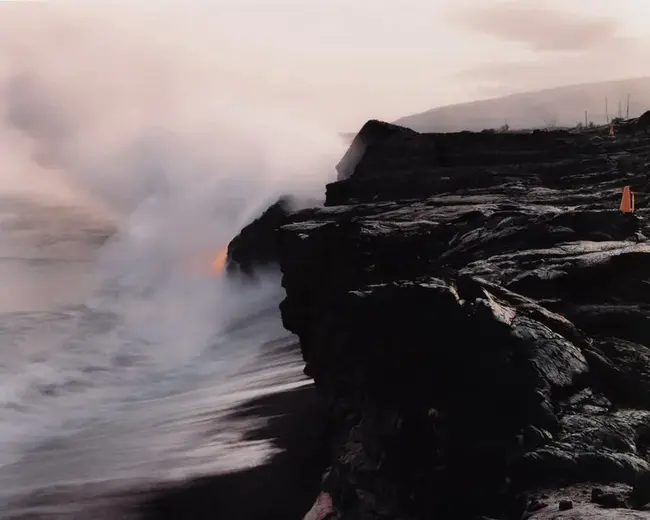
(639, 124)
(476, 308)
(373, 136)
(255, 246)
(644, 120)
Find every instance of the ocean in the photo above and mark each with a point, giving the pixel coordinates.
(118, 372)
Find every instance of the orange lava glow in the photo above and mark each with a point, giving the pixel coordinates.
(219, 261)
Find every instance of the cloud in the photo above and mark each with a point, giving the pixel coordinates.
(541, 29)
(623, 58)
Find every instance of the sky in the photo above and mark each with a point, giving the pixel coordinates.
(343, 62)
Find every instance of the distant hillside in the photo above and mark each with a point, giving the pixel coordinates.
(562, 106)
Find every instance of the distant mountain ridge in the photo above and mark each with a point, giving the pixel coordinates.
(559, 106)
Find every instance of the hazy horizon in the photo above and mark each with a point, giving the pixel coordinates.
(341, 63)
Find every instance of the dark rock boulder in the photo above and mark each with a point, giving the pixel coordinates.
(476, 366)
(583, 502)
(255, 247)
(371, 138)
(643, 121)
(635, 125)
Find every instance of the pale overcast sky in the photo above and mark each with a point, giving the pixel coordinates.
(345, 61)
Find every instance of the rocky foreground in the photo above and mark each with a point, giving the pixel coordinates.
(477, 312)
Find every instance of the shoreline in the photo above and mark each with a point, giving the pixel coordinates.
(285, 487)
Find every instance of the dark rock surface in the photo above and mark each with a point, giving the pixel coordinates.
(255, 246)
(636, 125)
(478, 311)
(372, 136)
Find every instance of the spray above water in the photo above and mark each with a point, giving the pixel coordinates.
(118, 108)
(136, 119)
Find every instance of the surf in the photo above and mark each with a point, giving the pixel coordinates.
(129, 161)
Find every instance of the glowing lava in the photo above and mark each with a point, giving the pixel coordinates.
(219, 261)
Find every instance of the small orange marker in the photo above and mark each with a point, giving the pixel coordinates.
(627, 201)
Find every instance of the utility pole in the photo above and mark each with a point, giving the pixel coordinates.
(620, 109)
(627, 109)
(586, 119)
(606, 111)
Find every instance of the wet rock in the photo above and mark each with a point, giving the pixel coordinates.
(607, 499)
(622, 368)
(536, 505)
(565, 505)
(584, 503)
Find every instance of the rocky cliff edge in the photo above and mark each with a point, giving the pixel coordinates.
(477, 311)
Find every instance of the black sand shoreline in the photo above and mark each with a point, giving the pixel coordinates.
(283, 488)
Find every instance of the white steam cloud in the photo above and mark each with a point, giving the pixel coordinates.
(130, 111)
(133, 113)
(119, 103)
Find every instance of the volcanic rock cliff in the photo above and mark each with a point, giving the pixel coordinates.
(477, 310)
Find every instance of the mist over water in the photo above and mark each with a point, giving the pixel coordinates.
(128, 158)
